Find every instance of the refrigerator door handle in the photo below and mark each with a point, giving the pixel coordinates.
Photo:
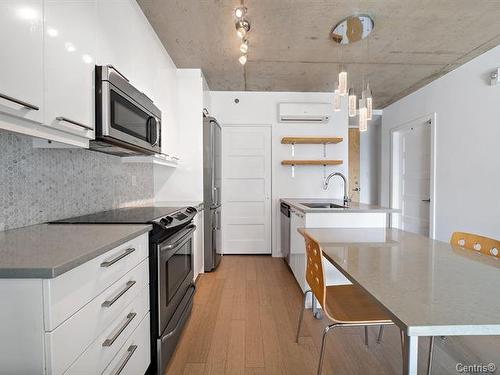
(212, 163)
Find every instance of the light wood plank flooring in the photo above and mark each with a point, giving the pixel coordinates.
(244, 322)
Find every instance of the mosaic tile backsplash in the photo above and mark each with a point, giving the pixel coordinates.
(39, 185)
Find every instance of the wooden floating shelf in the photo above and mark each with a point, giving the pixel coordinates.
(311, 140)
(312, 162)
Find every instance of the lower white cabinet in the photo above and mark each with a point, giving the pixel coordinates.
(297, 248)
(134, 356)
(93, 319)
(128, 326)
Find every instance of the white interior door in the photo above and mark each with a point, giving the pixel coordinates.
(415, 177)
(246, 189)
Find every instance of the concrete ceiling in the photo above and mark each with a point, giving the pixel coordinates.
(414, 42)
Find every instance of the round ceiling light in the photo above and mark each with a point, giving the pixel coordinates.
(352, 29)
(242, 28)
(240, 12)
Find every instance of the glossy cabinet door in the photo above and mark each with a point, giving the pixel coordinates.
(21, 41)
(127, 42)
(70, 46)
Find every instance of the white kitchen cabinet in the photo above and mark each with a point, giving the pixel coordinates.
(297, 248)
(21, 56)
(127, 42)
(69, 57)
(61, 324)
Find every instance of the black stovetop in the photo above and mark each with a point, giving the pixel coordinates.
(127, 215)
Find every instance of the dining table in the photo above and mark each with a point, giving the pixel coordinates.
(428, 287)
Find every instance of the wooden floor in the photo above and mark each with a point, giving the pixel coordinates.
(244, 322)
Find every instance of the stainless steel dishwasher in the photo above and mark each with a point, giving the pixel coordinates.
(285, 231)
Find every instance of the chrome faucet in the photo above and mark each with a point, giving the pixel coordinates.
(327, 181)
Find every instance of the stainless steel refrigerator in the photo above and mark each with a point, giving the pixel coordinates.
(212, 164)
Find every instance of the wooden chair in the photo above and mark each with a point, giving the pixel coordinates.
(473, 242)
(344, 305)
(470, 241)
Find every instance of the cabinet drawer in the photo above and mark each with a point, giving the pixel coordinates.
(68, 293)
(101, 317)
(134, 356)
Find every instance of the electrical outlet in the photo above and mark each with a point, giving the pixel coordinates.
(134, 180)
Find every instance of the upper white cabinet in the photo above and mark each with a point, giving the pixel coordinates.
(127, 42)
(70, 54)
(21, 36)
(49, 49)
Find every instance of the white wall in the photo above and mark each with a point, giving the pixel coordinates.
(369, 163)
(467, 168)
(468, 157)
(257, 108)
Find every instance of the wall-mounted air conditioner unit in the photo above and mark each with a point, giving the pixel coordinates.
(312, 113)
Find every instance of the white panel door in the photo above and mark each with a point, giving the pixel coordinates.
(246, 187)
(21, 73)
(70, 45)
(415, 175)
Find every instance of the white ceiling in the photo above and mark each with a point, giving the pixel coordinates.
(413, 43)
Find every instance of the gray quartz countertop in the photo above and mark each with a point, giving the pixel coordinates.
(48, 250)
(354, 207)
(196, 204)
(431, 288)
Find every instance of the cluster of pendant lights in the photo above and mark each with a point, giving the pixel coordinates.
(365, 102)
(242, 28)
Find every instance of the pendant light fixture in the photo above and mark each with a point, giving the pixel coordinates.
(362, 113)
(369, 102)
(343, 82)
(337, 99)
(348, 31)
(363, 121)
(352, 103)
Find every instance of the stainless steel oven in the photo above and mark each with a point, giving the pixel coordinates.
(127, 121)
(175, 291)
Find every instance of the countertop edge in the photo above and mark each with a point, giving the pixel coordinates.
(351, 210)
(53, 272)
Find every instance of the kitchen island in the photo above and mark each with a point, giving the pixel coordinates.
(328, 213)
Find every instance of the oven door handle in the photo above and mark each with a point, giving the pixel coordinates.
(166, 336)
(189, 230)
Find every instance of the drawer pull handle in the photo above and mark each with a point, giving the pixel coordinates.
(65, 119)
(110, 302)
(130, 352)
(111, 340)
(20, 102)
(108, 263)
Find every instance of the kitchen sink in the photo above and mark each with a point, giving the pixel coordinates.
(323, 205)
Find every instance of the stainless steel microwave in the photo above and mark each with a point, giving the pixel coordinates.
(127, 122)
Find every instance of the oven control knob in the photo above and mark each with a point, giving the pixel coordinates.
(190, 210)
(167, 220)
